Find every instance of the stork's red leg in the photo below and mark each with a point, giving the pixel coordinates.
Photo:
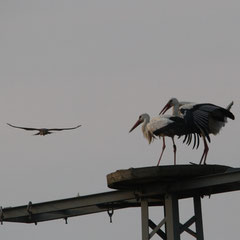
(174, 150)
(163, 148)
(205, 151)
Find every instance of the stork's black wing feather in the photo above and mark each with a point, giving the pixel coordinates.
(25, 128)
(185, 138)
(61, 129)
(189, 139)
(184, 129)
(197, 119)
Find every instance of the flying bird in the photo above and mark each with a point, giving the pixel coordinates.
(162, 126)
(205, 117)
(43, 131)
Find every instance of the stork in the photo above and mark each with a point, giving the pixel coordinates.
(206, 117)
(43, 131)
(161, 126)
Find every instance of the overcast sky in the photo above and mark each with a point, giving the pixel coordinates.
(101, 64)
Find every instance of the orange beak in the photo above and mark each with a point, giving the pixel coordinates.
(136, 124)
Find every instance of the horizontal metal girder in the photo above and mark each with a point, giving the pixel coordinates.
(58, 208)
(210, 184)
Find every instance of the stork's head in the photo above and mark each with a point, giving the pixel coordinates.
(143, 117)
(172, 102)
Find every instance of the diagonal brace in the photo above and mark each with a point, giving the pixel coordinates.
(156, 229)
(186, 225)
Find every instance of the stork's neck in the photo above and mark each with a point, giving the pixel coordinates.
(144, 125)
(177, 105)
(175, 111)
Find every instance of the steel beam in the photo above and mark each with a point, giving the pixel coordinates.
(172, 217)
(156, 229)
(144, 216)
(66, 207)
(154, 192)
(198, 217)
(187, 224)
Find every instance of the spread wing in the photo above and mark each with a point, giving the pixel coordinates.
(197, 117)
(25, 128)
(61, 129)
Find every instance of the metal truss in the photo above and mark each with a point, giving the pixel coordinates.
(170, 222)
(144, 195)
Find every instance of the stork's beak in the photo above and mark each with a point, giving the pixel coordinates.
(136, 124)
(167, 106)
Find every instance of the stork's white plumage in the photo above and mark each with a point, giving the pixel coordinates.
(162, 126)
(204, 117)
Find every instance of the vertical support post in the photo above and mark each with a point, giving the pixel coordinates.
(198, 217)
(172, 217)
(144, 214)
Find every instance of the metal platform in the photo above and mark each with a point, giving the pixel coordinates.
(169, 184)
(135, 178)
(141, 187)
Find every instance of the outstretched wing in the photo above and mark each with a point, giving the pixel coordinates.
(25, 128)
(197, 117)
(61, 129)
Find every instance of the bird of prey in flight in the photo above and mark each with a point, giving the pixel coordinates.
(43, 131)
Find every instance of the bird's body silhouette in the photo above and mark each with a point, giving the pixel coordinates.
(43, 131)
(204, 117)
(164, 126)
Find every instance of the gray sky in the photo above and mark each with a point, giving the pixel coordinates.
(102, 64)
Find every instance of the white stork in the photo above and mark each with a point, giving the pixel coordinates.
(161, 126)
(205, 117)
(43, 131)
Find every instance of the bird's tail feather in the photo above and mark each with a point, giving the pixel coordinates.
(230, 115)
(229, 105)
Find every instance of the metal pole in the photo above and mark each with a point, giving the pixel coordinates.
(172, 217)
(198, 216)
(144, 214)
